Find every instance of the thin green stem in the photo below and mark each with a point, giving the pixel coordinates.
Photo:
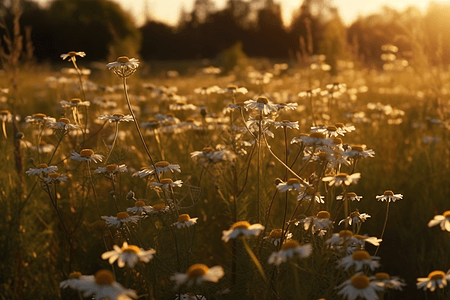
(255, 260)
(384, 226)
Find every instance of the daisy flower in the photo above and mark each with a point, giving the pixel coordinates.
(288, 250)
(355, 218)
(262, 104)
(86, 155)
(342, 178)
(233, 90)
(184, 220)
(111, 169)
(330, 131)
(291, 184)
(322, 221)
(358, 151)
(389, 282)
(121, 218)
(72, 282)
(42, 168)
(389, 196)
(139, 207)
(241, 228)
(198, 273)
(338, 239)
(443, 220)
(359, 285)
(286, 124)
(158, 208)
(359, 259)
(360, 240)
(128, 254)
(72, 55)
(39, 118)
(313, 139)
(116, 118)
(346, 128)
(161, 166)
(350, 196)
(310, 193)
(275, 236)
(435, 279)
(74, 102)
(54, 178)
(124, 66)
(102, 285)
(168, 183)
(63, 124)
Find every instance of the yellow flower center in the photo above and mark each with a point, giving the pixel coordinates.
(162, 164)
(4, 112)
(262, 100)
(64, 120)
(74, 275)
(72, 53)
(275, 233)
(86, 152)
(166, 181)
(360, 255)
(337, 141)
(111, 168)
(388, 193)
(39, 116)
(342, 175)
(42, 143)
(190, 120)
(436, 275)
(292, 181)
(232, 87)
(241, 225)
(360, 281)
(122, 215)
(159, 206)
(41, 166)
(208, 149)
(351, 195)
(359, 148)
(131, 249)
(345, 233)
(118, 115)
(318, 135)
(291, 244)
(123, 59)
(197, 270)
(104, 277)
(354, 214)
(183, 218)
(339, 125)
(139, 203)
(53, 175)
(75, 100)
(331, 128)
(323, 214)
(446, 214)
(382, 276)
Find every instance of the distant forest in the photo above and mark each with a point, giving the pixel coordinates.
(103, 30)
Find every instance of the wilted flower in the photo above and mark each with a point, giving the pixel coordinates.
(124, 66)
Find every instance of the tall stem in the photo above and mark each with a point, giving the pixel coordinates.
(286, 194)
(384, 226)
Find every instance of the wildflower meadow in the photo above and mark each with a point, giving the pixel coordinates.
(275, 180)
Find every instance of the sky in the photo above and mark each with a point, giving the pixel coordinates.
(168, 11)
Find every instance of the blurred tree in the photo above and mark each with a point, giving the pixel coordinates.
(334, 43)
(159, 41)
(436, 24)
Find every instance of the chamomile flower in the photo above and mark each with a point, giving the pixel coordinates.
(358, 260)
(358, 151)
(124, 66)
(262, 104)
(342, 178)
(355, 218)
(275, 236)
(128, 255)
(241, 228)
(167, 183)
(72, 55)
(443, 220)
(322, 221)
(158, 208)
(309, 193)
(42, 168)
(139, 208)
(329, 131)
(291, 184)
(341, 238)
(389, 282)
(233, 90)
(111, 169)
(73, 103)
(63, 124)
(39, 118)
(359, 241)
(359, 285)
(350, 196)
(120, 219)
(286, 124)
(102, 285)
(72, 281)
(161, 166)
(389, 196)
(198, 273)
(313, 139)
(289, 249)
(435, 279)
(184, 220)
(116, 118)
(86, 155)
(54, 178)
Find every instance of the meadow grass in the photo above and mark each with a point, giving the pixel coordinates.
(223, 167)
